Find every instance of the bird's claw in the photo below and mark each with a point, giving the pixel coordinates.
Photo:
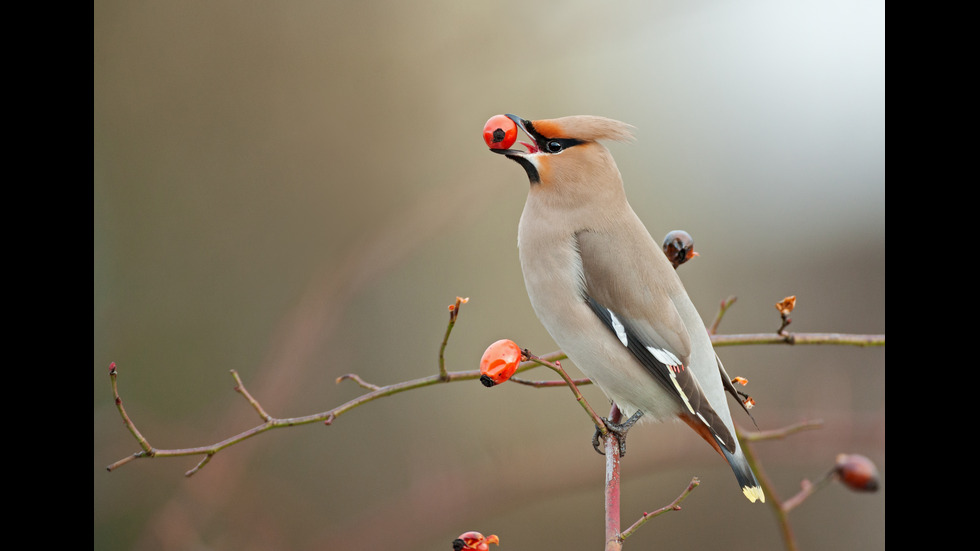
(619, 430)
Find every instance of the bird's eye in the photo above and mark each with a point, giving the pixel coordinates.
(554, 146)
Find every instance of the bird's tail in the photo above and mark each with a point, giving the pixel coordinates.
(744, 475)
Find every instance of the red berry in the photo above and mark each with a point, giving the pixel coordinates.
(499, 362)
(857, 472)
(474, 541)
(500, 132)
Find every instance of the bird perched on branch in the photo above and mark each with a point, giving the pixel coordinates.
(605, 290)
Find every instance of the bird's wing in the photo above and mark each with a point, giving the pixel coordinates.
(626, 294)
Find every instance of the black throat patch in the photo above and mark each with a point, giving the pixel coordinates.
(532, 172)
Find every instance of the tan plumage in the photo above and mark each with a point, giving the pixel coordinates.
(603, 288)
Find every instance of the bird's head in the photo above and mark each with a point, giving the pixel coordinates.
(567, 151)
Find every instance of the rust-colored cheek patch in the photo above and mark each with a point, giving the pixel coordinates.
(544, 169)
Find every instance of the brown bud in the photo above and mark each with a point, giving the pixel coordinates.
(786, 305)
(857, 472)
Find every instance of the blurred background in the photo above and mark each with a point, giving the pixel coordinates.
(298, 189)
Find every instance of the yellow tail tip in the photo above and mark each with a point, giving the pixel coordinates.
(754, 493)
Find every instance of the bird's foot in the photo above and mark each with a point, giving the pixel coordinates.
(618, 429)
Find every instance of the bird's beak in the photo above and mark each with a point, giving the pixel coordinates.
(528, 129)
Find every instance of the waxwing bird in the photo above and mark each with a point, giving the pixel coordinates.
(606, 292)
(678, 245)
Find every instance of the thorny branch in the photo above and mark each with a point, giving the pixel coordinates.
(615, 538)
(327, 417)
(443, 376)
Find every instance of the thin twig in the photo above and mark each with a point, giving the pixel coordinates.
(453, 314)
(749, 436)
(725, 305)
(125, 417)
(807, 489)
(240, 388)
(357, 379)
(557, 368)
(798, 338)
(672, 506)
(203, 462)
(547, 384)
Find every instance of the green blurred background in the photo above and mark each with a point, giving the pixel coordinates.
(299, 189)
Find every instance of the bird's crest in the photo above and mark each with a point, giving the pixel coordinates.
(585, 127)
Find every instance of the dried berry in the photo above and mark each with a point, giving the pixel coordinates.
(857, 472)
(786, 305)
(678, 245)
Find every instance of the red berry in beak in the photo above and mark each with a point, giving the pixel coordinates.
(500, 132)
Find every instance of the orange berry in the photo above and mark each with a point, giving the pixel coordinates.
(499, 362)
(500, 132)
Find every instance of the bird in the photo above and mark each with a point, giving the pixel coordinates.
(678, 245)
(606, 292)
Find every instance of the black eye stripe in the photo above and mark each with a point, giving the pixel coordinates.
(557, 144)
(545, 144)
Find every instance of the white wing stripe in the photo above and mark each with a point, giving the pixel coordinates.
(664, 356)
(618, 327)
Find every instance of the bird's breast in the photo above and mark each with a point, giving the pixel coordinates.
(553, 275)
